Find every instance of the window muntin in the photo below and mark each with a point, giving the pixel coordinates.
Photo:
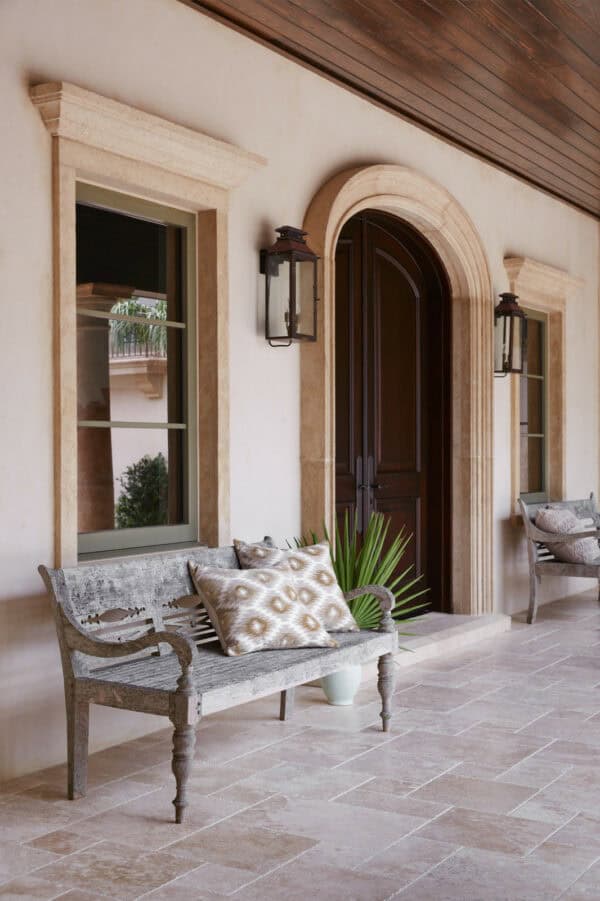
(533, 411)
(137, 459)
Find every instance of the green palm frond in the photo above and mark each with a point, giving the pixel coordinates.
(370, 563)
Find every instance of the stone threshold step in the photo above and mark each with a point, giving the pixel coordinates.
(436, 635)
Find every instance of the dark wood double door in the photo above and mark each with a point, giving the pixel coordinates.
(393, 390)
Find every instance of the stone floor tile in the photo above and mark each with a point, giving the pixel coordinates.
(565, 724)
(393, 803)
(503, 713)
(23, 818)
(324, 821)
(433, 721)
(208, 778)
(486, 831)
(16, 859)
(493, 745)
(479, 770)
(586, 888)
(409, 763)
(149, 822)
(475, 794)
(572, 847)
(30, 888)
(434, 697)
(408, 859)
(234, 844)
(533, 772)
(97, 800)
(545, 808)
(296, 781)
(300, 878)
(241, 795)
(20, 784)
(570, 752)
(62, 842)
(471, 875)
(207, 881)
(115, 870)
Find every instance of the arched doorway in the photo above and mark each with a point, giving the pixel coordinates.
(436, 215)
(392, 394)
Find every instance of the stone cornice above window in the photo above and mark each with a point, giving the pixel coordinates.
(530, 277)
(79, 115)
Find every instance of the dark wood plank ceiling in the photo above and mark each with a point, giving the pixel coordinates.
(516, 82)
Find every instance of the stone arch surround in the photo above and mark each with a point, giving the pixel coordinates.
(438, 216)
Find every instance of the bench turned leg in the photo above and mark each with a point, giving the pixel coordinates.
(184, 742)
(78, 716)
(286, 704)
(385, 686)
(533, 601)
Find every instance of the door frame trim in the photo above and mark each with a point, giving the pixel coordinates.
(441, 220)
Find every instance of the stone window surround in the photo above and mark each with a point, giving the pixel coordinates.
(544, 289)
(107, 143)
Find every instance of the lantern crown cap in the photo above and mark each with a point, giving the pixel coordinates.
(508, 305)
(292, 240)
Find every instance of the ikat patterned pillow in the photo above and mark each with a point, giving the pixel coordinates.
(314, 579)
(256, 610)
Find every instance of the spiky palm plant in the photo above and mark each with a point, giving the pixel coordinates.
(357, 563)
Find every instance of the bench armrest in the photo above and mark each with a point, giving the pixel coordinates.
(560, 537)
(386, 600)
(78, 640)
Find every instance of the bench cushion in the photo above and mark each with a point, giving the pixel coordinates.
(255, 609)
(314, 576)
(562, 521)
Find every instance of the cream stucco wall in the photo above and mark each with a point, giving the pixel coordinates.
(167, 59)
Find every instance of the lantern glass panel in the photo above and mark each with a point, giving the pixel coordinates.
(279, 298)
(517, 343)
(305, 292)
(501, 342)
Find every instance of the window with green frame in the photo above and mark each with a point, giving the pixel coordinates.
(136, 378)
(533, 451)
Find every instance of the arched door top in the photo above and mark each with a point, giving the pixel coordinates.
(438, 216)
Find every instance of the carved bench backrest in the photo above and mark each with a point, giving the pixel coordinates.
(122, 599)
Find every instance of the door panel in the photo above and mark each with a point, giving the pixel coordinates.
(395, 366)
(393, 389)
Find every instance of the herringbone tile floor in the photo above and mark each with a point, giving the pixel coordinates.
(487, 789)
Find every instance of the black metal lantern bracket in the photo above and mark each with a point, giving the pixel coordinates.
(292, 248)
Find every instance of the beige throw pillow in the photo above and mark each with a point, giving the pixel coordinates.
(314, 578)
(256, 610)
(564, 522)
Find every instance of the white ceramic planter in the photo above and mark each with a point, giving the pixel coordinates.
(341, 687)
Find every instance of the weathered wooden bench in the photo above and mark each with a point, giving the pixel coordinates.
(542, 561)
(133, 635)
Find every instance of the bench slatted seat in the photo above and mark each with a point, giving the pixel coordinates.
(133, 635)
(542, 561)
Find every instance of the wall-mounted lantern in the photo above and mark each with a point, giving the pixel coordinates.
(510, 335)
(290, 268)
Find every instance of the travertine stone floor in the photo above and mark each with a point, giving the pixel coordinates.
(488, 789)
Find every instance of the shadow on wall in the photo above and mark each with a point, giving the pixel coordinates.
(32, 710)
